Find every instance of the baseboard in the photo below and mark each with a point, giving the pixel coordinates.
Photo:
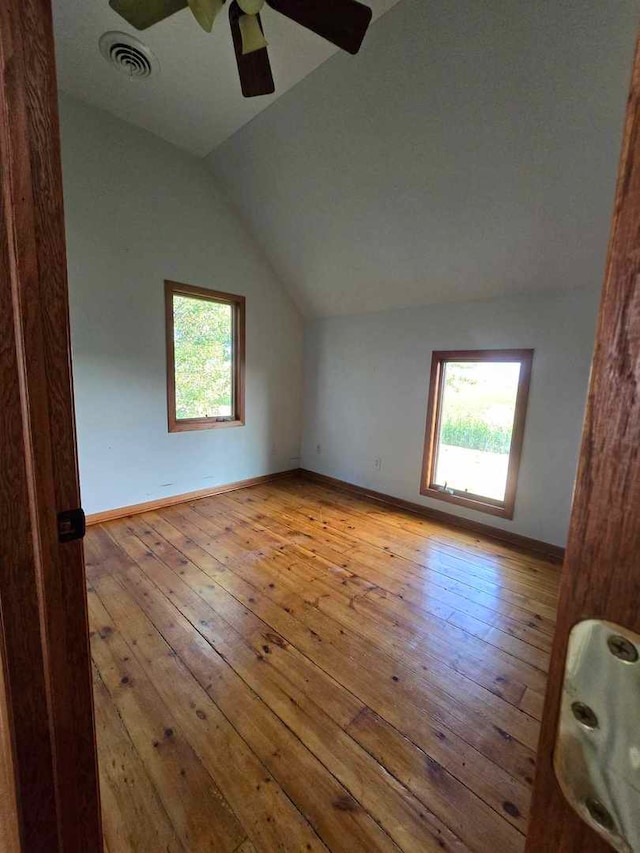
(160, 503)
(551, 552)
(525, 543)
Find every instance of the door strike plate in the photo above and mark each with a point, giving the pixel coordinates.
(597, 751)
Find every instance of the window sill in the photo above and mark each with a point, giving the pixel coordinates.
(202, 423)
(470, 503)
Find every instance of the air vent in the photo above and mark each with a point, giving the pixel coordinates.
(128, 55)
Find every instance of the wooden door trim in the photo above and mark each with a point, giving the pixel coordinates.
(9, 824)
(42, 587)
(601, 576)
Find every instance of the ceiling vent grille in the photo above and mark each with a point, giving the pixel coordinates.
(128, 55)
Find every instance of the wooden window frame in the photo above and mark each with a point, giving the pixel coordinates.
(502, 509)
(176, 424)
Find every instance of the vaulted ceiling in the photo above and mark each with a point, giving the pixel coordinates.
(469, 150)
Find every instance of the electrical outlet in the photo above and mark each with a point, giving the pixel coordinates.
(318, 448)
(377, 463)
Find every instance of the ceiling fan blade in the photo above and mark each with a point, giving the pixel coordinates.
(145, 13)
(205, 12)
(342, 22)
(252, 36)
(254, 68)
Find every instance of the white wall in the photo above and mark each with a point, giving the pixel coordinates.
(366, 382)
(139, 211)
(469, 150)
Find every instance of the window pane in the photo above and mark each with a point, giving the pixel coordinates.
(203, 345)
(478, 408)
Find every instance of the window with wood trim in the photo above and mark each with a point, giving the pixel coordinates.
(205, 357)
(475, 428)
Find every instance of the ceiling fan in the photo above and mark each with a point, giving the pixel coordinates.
(342, 22)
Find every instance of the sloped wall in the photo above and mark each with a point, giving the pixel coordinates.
(468, 151)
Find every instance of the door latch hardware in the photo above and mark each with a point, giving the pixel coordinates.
(597, 751)
(71, 525)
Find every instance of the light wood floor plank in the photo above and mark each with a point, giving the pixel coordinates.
(474, 822)
(133, 815)
(441, 573)
(363, 594)
(371, 677)
(386, 574)
(481, 727)
(465, 543)
(334, 674)
(268, 816)
(366, 787)
(480, 566)
(198, 811)
(487, 577)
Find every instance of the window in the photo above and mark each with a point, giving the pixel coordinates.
(475, 427)
(205, 357)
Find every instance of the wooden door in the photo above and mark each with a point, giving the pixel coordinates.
(47, 701)
(601, 574)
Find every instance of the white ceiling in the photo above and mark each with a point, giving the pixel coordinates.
(470, 152)
(195, 101)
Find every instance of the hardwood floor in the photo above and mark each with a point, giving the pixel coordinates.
(290, 667)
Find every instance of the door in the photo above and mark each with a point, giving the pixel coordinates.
(601, 574)
(47, 743)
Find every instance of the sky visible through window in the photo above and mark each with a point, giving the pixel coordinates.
(203, 347)
(478, 408)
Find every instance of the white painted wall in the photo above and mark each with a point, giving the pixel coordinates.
(366, 382)
(468, 151)
(139, 211)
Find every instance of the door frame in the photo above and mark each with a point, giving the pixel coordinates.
(44, 636)
(601, 572)
(43, 611)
